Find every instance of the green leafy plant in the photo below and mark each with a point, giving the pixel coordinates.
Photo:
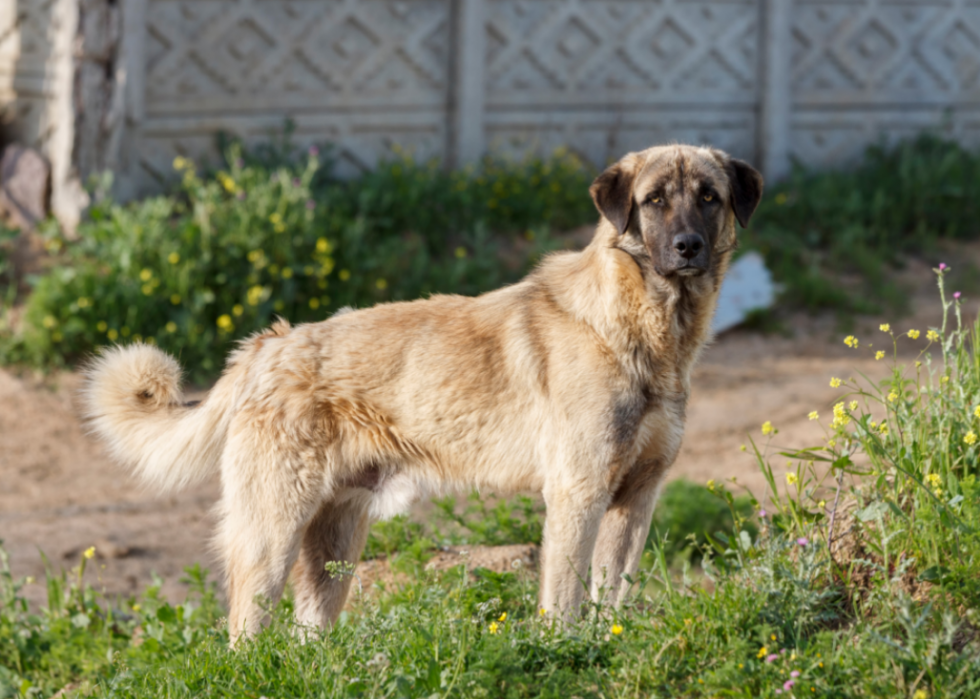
(819, 228)
(230, 251)
(688, 515)
(517, 521)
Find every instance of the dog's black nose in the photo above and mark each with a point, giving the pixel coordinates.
(688, 245)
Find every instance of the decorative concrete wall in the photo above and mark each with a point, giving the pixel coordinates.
(769, 80)
(36, 41)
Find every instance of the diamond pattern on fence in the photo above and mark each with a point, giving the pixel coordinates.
(603, 77)
(366, 74)
(644, 52)
(871, 70)
(253, 55)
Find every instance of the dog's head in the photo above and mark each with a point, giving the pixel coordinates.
(675, 206)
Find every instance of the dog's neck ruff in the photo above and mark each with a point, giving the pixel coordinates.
(657, 325)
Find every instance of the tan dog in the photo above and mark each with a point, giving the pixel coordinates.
(572, 383)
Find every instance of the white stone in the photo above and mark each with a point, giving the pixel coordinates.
(747, 287)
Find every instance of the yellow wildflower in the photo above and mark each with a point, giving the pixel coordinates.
(884, 428)
(101, 326)
(460, 252)
(275, 217)
(382, 284)
(84, 302)
(323, 245)
(237, 309)
(763, 652)
(541, 611)
(503, 617)
(112, 334)
(616, 629)
(173, 258)
(147, 289)
(892, 397)
(180, 163)
(834, 382)
(344, 275)
(741, 447)
(814, 415)
(171, 327)
(933, 479)
(970, 438)
(885, 328)
(767, 427)
(880, 354)
(255, 295)
(932, 336)
(913, 334)
(791, 478)
(920, 694)
(822, 504)
(494, 627)
(227, 182)
(89, 552)
(831, 443)
(287, 272)
(976, 411)
(841, 417)
(853, 405)
(851, 341)
(224, 322)
(711, 484)
(314, 303)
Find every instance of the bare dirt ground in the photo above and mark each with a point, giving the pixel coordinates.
(60, 494)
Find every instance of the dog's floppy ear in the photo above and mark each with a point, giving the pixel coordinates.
(745, 183)
(612, 193)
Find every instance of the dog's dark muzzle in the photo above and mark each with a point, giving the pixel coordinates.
(688, 254)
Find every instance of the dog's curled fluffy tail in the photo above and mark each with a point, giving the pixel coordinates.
(132, 400)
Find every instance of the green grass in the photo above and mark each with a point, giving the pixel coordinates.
(858, 578)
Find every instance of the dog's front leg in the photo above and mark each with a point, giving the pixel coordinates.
(619, 546)
(571, 526)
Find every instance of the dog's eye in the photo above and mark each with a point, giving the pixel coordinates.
(708, 197)
(655, 200)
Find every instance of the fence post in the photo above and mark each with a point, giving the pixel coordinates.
(777, 96)
(468, 89)
(132, 57)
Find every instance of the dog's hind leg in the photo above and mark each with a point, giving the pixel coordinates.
(337, 533)
(265, 507)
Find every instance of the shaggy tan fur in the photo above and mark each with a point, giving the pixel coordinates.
(572, 383)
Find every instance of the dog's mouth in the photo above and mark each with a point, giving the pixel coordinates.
(690, 271)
